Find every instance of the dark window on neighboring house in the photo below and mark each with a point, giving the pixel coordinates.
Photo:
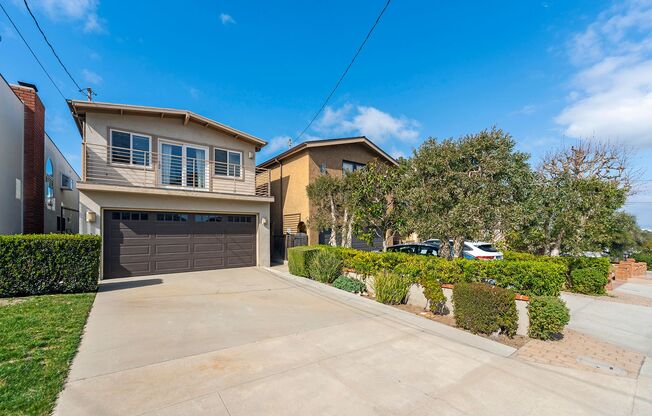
(348, 166)
(67, 182)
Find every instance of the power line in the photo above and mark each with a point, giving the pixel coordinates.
(339, 81)
(51, 47)
(32, 51)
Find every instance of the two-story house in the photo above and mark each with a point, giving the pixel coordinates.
(170, 191)
(294, 169)
(37, 183)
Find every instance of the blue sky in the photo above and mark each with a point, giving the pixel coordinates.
(548, 72)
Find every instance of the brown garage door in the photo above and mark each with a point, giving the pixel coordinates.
(139, 243)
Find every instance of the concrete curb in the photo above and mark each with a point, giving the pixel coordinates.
(397, 315)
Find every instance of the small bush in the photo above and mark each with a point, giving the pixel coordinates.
(325, 266)
(349, 284)
(436, 300)
(391, 288)
(548, 317)
(299, 259)
(485, 309)
(588, 281)
(48, 263)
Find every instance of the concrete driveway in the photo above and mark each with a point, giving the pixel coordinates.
(253, 342)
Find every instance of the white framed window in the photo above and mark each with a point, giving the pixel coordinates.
(130, 148)
(228, 163)
(183, 165)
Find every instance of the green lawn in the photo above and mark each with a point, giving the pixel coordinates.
(39, 336)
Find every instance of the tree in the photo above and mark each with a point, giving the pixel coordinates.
(575, 197)
(377, 206)
(325, 195)
(465, 188)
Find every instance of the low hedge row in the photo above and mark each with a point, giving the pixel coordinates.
(644, 256)
(485, 309)
(527, 277)
(299, 259)
(52, 263)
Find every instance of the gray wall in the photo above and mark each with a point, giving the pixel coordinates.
(11, 160)
(62, 198)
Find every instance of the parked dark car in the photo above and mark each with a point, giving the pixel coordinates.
(414, 248)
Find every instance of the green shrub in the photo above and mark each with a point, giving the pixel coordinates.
(349, 284)
(50, 263)
(299, 259)
(435, 295)
(548, 317)
(589, 281)
(391, 288)
(531, 278)
(644, 256)
(485, 309)
(325, 266)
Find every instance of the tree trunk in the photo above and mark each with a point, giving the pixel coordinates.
(444, 248)
(458, 247)
(333, 239)
(388, 238)
(349, 231)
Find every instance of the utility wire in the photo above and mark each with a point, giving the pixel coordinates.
(339, 81)
(51, 47)
(32, 51)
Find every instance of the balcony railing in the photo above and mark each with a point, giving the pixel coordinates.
(140, 168)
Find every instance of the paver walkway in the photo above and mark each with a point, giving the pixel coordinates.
(251, 342)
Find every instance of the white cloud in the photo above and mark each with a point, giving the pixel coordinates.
(194, 92)
(91, 77)
(612, 90)
(226, 19)
(377, 125)
(526, 110)
(84, 11)
(278, 143)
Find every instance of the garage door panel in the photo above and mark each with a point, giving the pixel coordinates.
(172, 248)
(209, 263)
(131, 268)
(202, 248)
(141, 243)
(171, 265)
(129, 250)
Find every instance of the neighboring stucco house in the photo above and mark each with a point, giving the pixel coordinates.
(36, 180)
(294, 169)
(170, 190)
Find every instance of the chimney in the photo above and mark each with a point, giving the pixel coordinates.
(33, 158)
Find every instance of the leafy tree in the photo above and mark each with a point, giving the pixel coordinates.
(326, 196)
(376, 201)
(466, 188)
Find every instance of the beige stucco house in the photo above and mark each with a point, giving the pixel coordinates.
(170, 190)
(292, 170)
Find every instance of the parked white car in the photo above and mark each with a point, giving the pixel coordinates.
(474, 250)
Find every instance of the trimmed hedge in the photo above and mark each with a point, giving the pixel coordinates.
(527, 277)
(299, 259)
(645, 257)
(589, 281)
(485, 309)
(349, 284)
(325, 266)
(51, 263)
(548, 317)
